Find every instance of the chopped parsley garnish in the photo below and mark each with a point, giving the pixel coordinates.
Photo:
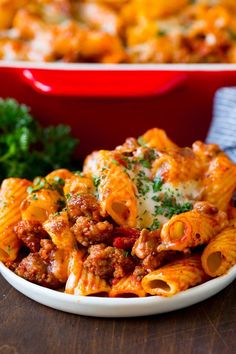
(42, 183)
(39, 183)
(78, 173)
(126, 253)
(232, 35)
(55, 186)
(37, 180)
(145, 163)
(35, 197)
(170, 207)
(128, 163)
(57, 213)
(59, 180)
(3, 204)
(152, 154)
(155, 225)
(161, 33)
(96, 181)
(148, 158)
(156, 198)
(141, 141)
(115, 162)
(157, 184)
(142, 183)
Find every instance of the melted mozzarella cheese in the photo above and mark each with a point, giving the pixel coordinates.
(186, 192)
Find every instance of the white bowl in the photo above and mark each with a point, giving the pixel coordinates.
(117, 307)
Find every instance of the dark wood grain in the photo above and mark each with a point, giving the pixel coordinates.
(29, 328)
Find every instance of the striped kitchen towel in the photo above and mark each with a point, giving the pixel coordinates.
(223, 127)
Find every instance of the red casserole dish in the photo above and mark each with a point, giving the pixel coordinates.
(106, 103)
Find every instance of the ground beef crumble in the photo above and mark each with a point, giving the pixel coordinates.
(89, 232)
(30, 233)
(83, 205)
(35, 269)
(48, 267)
(106, 262)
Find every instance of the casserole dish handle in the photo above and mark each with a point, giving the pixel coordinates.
(102, 83)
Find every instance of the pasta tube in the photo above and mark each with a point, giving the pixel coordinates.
(127, 286)
(206, 152)
(40, 207)
(157, 139)
(117, 197)
(91, 284)
(116, 191)
(81, 281)
(178, 165)
(61, 173)
(75, 267)
(220, 254)
(58, 227)
(13, 191)
(42, 202)
(78, 185)
(191, 229)
(220, 182)
(175, 277)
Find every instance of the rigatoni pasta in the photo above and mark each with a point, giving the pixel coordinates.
(81, 281)
(220, 254)
(191, 229)
(220, 182)
(40, 204)
(157, 139)
(116, 191)
(175, 277)
(58, 228)
(13, 192)
(128, 286)
(147, 218)
(91, 284)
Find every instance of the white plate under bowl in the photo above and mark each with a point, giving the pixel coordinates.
(117, 307)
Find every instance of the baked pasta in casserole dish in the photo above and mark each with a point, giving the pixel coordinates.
(119, 31)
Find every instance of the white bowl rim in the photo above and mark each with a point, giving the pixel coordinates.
(110, 302)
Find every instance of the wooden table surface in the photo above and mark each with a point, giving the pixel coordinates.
(27, 327)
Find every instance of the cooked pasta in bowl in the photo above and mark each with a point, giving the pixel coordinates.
(146, 219)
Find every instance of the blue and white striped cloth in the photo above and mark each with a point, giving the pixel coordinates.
(223, 127)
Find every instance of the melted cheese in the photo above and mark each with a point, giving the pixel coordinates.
(40, 47)
(183, 193)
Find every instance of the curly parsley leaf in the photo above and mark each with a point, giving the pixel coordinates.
(96, 181)
(157, 184)
(170, 207)
(155, 225)
(26, 148)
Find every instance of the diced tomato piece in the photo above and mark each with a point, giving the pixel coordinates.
(125, 243)
(126, 232)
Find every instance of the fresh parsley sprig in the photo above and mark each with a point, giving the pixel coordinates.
(27, 149)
